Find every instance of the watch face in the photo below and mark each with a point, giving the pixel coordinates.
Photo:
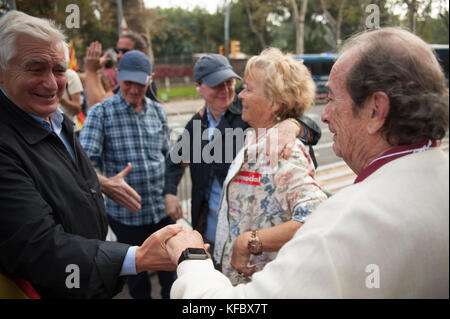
(193, 253)
(255, 247)
(196, 251)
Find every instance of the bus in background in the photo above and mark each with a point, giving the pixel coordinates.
(442, 53)
(320, 66)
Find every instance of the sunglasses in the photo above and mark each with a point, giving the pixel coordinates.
(117, 50)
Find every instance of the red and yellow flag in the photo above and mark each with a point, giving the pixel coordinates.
(73, 63)
(16, 288)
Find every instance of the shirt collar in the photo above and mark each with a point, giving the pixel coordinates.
(56, 118)
(392, 154)
(4, 92)
(29, 127)
(211, 119)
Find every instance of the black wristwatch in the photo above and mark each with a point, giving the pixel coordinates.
(193, 254)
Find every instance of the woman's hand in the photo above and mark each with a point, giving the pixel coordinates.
(282, 141)
(241, 255)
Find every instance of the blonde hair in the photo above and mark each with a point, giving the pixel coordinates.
(285, 81)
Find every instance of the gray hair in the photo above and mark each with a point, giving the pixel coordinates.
(403, 66)
(16, 23)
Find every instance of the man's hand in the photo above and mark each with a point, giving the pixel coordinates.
(185, 239)
(92, 59)
(104, 59)
(152, 254)
(282, 141)
(241, 255)
(119, 191)
(173, 208)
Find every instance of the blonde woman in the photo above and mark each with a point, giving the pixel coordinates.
(264, 205)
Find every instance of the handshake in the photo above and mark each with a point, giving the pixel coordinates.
(163, 248)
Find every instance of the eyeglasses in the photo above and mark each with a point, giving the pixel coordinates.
(117, 50)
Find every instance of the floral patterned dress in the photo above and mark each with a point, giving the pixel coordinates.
(256, 195)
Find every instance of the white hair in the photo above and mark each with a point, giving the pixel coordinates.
(66, 51)
(16, 23)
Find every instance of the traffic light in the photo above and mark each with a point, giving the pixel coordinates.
(222, 50)
(235, 48)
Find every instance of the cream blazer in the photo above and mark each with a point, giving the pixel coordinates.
(386, 237)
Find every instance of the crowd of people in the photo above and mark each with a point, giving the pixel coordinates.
(262, 225)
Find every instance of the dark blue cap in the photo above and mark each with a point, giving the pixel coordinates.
(134, 66)
(213, 69)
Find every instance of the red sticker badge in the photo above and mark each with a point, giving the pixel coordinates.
(249, 178)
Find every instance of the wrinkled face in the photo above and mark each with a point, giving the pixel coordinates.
(349, 130)
(219, 97)
(256, 107)
(36, 76)
(123, 46)
(133, 92)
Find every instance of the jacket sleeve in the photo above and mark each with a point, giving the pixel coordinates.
(316, 132)
(35, 246)
(174, 173)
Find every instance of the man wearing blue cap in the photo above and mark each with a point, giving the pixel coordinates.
(130, 130)
(215, 82)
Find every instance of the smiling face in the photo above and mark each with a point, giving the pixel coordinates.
(133, 92)
(219, 97)
(36, 76)
(256, 107)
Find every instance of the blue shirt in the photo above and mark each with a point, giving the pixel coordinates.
(116, 134)
(57, 118)
(215, 190)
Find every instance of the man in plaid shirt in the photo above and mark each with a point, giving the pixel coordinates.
(128, 133)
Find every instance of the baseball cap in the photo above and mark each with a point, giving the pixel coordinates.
(134, 66)
(213, 69)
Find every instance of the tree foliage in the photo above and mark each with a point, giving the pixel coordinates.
(255, 23)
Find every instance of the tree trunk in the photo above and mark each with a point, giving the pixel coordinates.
(299, 19)
(412, 15)
(336, 23)
(252, 26)
(150, 54)
(340, 20)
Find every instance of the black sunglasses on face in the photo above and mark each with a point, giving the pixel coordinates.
(117, 50)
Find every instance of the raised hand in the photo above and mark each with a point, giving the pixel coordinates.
(92, 59)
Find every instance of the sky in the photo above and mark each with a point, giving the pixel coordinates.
(209, 5)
